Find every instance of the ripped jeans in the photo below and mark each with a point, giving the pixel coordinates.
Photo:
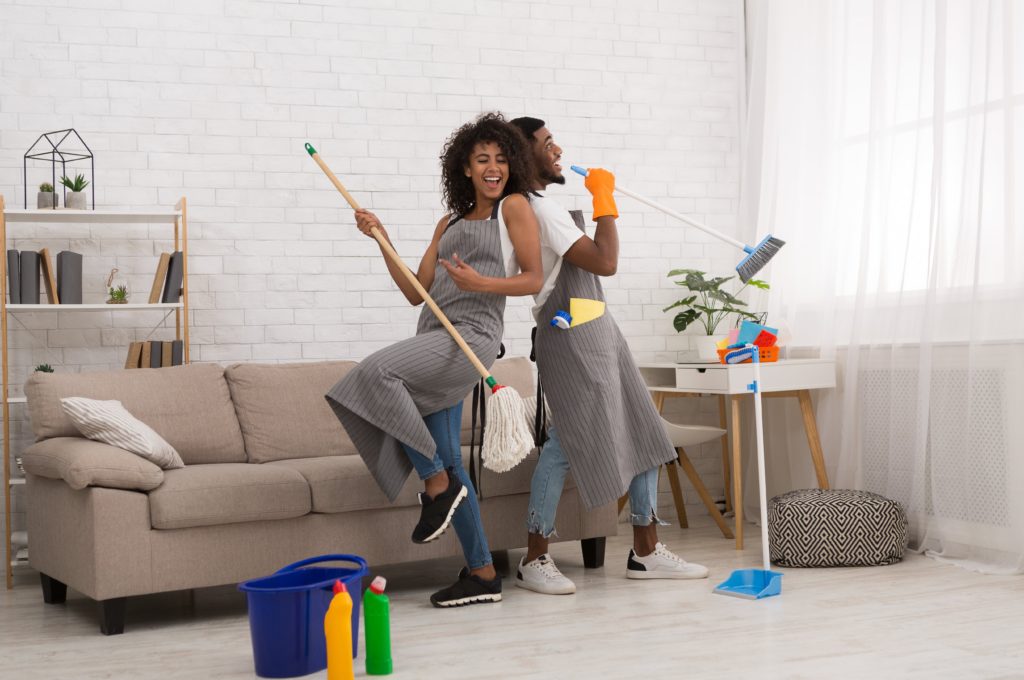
(549, 478)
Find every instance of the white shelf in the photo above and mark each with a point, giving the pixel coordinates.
(94, 307)
(17, 481)
(92, 216)
(18, 400)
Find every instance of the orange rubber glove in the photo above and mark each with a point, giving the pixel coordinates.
(601, 185)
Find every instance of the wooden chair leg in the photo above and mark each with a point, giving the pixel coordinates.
(813, 440)
(677, 494)
(702, 491)
(622, 502)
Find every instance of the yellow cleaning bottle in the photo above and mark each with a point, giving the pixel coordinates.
(338, 629)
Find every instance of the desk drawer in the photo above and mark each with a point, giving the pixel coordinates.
(714, 378)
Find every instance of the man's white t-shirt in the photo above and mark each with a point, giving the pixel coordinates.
(558, 233)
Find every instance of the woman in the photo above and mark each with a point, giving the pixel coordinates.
(402, 405)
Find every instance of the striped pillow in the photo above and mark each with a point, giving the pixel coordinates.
(111, 423)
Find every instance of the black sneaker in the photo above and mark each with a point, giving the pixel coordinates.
(469, 589)
(436, 513)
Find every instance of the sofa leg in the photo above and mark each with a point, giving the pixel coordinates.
(112, 615)
(593, 552)
(54, 592)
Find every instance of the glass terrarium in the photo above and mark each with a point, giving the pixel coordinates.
(119, 290)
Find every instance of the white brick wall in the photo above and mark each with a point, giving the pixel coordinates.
(213, 99)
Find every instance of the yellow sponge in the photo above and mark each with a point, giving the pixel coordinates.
(583, 310)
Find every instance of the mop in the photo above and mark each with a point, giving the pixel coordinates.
(757, 256)
(507, 437)
(754, 584)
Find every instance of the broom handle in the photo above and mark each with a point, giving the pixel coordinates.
(672, 213)
(762, 486)
(394, 257)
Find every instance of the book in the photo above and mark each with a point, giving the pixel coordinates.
(69, 277)
(156, 353)
(13, 277)
(29, 277)
(177, 353)
(49, 276)
(134, 355)
(168, 354)
(147, 355)
(175, 275)
(159, 278)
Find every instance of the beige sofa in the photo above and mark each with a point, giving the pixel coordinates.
(270, 478)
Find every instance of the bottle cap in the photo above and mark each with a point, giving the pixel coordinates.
(378, 585)
(339, 587)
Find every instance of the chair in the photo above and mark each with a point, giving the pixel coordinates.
(682, 436)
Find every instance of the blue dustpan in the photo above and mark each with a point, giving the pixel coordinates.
(751, 584)
(755, 584)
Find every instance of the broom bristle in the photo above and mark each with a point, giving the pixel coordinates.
(507, 437)
(761, 255)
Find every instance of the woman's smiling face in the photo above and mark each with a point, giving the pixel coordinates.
(488, 170)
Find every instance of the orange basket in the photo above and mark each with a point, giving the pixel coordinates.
(768, 355)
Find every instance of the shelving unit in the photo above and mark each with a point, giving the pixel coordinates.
(179, 218)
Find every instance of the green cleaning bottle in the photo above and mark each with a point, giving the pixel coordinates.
(377, 622)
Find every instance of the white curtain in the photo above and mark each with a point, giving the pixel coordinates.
(884, 142)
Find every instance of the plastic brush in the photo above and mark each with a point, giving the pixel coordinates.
(757, 256)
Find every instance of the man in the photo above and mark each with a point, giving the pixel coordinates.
(605, 427)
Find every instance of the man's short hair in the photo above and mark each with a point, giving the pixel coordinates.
(527, 125)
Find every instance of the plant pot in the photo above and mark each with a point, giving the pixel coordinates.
(707, 347)
(75, 200)
(46, 200)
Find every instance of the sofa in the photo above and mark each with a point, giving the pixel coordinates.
(270, 478)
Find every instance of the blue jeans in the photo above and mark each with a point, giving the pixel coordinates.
(549, 478)
(445, 428)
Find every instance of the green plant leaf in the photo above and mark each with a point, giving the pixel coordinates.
(680, 303)
(684, 319)
(725, 297)
(683, 272)
(715, 283)
(758, 283)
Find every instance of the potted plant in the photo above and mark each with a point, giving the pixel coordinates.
(44, 368)
(46, 199)
(76, 199)
(117, 289)
(710, 305)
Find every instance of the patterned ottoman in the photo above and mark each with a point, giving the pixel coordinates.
(836, 528)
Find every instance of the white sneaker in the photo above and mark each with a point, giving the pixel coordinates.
(662, 563)
(542, 576)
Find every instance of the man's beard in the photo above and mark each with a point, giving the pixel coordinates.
(550, 177)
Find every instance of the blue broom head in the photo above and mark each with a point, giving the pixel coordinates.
(758, 257)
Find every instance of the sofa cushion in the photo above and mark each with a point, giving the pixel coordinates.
(189, 406)
(224, 493)
(343, 484)
(83, 462)
(514, 372)
(282, 410)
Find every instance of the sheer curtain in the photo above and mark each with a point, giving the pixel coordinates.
(884, 143)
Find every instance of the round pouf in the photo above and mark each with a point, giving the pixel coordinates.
(836, 528)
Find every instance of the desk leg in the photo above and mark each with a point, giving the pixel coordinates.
(737, 471)
(724, 424)
(813, 441)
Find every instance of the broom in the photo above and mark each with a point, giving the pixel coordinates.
(757, 256)
(507, 437)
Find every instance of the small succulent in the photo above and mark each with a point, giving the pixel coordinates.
(76, 184)
(44, 368)
(118, 295)
(46, 187)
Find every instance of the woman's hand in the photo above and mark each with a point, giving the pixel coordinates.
(366, 220)
(464, 276)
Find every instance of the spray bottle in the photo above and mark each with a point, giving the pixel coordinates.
(338, 630)
(377, 625)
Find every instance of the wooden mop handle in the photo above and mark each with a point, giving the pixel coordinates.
(394, 257)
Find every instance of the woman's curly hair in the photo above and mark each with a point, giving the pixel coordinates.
(457, 189)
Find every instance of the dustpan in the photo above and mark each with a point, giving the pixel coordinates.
(755, 584)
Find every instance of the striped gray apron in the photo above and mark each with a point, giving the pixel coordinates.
(606, 420)
(382, 401)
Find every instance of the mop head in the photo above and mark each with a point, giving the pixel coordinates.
(508, 438)
(758, 257)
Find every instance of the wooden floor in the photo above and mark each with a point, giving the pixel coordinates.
(915, 619)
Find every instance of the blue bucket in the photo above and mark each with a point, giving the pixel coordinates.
(286, 614)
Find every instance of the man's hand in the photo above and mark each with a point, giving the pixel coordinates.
(464, 276)
(601, 185)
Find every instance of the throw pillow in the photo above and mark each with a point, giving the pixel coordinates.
(111, 423)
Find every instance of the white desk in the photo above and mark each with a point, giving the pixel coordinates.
(786, 378)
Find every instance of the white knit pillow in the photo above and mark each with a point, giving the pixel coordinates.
(111, 423)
